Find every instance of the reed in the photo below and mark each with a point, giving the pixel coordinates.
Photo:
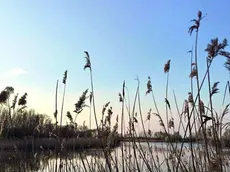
(200, 125)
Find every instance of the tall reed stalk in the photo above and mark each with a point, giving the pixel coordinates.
(63, 98)
(88, 65)
(189, 123)
(56, 123)
(122, 100)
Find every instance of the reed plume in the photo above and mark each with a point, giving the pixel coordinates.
(5, 94)
(14, 101)
(79, 106)
(22, 101)
(214, 48)
(167, 66)
(63, 98)
(149, 86)
(227, 64)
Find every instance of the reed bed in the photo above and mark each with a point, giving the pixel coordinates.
(197, 144)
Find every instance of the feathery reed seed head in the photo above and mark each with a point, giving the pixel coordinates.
(193, 73)
(5, 94)
(22, 101)
(149, 86)
(123, 89)
(69, 116)
(120, 98)
(105, 107)
(3, 97)
(214, 48)
(227, 64)
(88, 62)
(81, 102)
(14, 101)
(225, 54)
(199, 15)
(64, 77)
(167, 102)
(196, 23)
(167, 66)
(214, 88)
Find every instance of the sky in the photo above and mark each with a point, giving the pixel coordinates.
(39, 40)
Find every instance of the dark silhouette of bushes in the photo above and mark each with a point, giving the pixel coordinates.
(167, 137)
(30, 124)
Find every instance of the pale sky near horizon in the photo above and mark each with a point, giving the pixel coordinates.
(39, 40)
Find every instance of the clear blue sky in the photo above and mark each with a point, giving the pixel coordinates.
(41, 39)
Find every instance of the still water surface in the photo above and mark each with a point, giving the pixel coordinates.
(91, 160)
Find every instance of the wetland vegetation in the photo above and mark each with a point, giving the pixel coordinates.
(33, 142)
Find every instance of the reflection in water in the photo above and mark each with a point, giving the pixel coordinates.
(18, 161)
(91, 160)
(39, 161)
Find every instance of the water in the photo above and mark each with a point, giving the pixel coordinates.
(93, 160)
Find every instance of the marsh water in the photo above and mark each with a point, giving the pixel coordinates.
(87, 160)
